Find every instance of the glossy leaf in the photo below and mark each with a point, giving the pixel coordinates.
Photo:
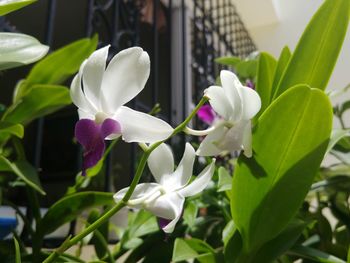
(190, 214)
(228, 61)
(40, 100)
(265, 76)
(289, 143)
(9, 6)
(314, 58)
(62, 63)
(281, 66)
(7, 129)
(185, 249)
(23, 170)
(19, 49)
(68, 208)
(314, 254)
(225, 180)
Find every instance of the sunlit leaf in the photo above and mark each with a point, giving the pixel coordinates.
(8, 6)
(289, 143)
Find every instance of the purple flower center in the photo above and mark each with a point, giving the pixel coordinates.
(91, 136)
(206, 114)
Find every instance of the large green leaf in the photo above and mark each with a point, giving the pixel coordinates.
(68, 208)
(40, 100)
(282, 64)
(62, 63)
(314, 58)
(19, 49)
(8, 6)
(314, 254)
(265, 75)
(289, 143)
(23, 170)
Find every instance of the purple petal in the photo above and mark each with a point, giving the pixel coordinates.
(206, 114)
(91, 136)
(162, 222)
(250, 84)
(110, 126)
(88, 134)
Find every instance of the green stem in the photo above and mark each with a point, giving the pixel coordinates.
(70, 242)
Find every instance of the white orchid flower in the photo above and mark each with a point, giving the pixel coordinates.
(165, 198)
(235, 106)
(100, 92)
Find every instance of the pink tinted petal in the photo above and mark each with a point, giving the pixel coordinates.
(88, 134)
(206, 114)
(110, 126)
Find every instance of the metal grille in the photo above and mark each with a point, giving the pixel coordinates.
(217, 30)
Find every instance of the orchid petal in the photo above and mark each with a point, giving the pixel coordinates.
(206, 114)
(141, 191)
(110, 127)
(77, 94)
(85, 115)
(183, 172)
(141, 127)
(251, 102)
(233, 139)
(161, 162)
(125, 77)
(200, 183)
(88, 135)
(208, 146)
(247, 140)
(218, 100)
(168, 206)
(93, 75)
(230, 84)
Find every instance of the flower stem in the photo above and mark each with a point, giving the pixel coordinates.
(69, 242)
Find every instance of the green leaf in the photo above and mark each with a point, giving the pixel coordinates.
(265, 76)
(17, 251)
(190, 214)
(7, 129)
(225, 180)
(336, 136)
(62, 63)
(228, 232)
(289, 143)
(40, 100)
(19, 49)
(23, 170)
(282, 64)
(314, 58)
(247, 68)
(314, 254)
(277, 246)
(68, 208)
(9, 6)
(228, 61)
(185, 249)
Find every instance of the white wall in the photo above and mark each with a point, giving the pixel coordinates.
(293, 18)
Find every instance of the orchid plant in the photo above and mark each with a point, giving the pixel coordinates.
(250, 206)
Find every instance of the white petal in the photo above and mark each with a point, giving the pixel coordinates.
(141, 127)
(77, 94)
(93, 74)
(168, 206)
(161, 161)
(230, 84)
(251, 102)
(125, 77)
(247, 140)
(85, 115)
(233, 139)
(218, 100)
(200, 183)
(141, 191)
(183, 172)
(208, 146)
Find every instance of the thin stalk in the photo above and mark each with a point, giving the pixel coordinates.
(122, 203)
